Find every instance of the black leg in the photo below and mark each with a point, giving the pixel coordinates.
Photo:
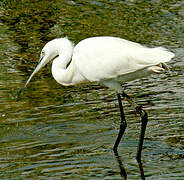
(123, 124)
(121, 167)
(141, 170)
(144, 119)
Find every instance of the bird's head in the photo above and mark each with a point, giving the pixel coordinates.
(49, 52)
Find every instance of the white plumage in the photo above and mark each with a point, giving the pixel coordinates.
(109, 60)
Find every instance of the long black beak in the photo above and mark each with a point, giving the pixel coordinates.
(38, 67)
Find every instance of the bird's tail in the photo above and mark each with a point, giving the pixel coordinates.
(162, 54)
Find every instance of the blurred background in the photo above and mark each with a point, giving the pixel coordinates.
(56, 132)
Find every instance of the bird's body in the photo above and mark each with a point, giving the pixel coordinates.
(108, 60)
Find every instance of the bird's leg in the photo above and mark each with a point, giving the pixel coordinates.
(144, 119)
(123, 124)
(121, 167)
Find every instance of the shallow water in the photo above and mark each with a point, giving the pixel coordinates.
(56, 132)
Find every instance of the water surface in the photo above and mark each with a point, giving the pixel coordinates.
(56, 132)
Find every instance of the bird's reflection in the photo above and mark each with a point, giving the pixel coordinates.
(122, 169)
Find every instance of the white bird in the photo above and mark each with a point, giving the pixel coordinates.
(108, 60)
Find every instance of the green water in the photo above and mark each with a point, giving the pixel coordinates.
(56, 132)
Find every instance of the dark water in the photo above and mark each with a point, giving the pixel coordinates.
(56, 132)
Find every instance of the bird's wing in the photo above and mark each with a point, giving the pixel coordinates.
(107, 57)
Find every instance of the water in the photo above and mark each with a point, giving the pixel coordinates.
(56, 132)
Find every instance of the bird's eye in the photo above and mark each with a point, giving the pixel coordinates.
(42, 54)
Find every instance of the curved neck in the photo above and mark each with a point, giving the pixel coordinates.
(65, 54)
(61, 73)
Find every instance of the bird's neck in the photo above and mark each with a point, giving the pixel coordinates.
(60, 69)
(65, 50)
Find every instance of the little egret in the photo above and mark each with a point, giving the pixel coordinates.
(108, 60)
